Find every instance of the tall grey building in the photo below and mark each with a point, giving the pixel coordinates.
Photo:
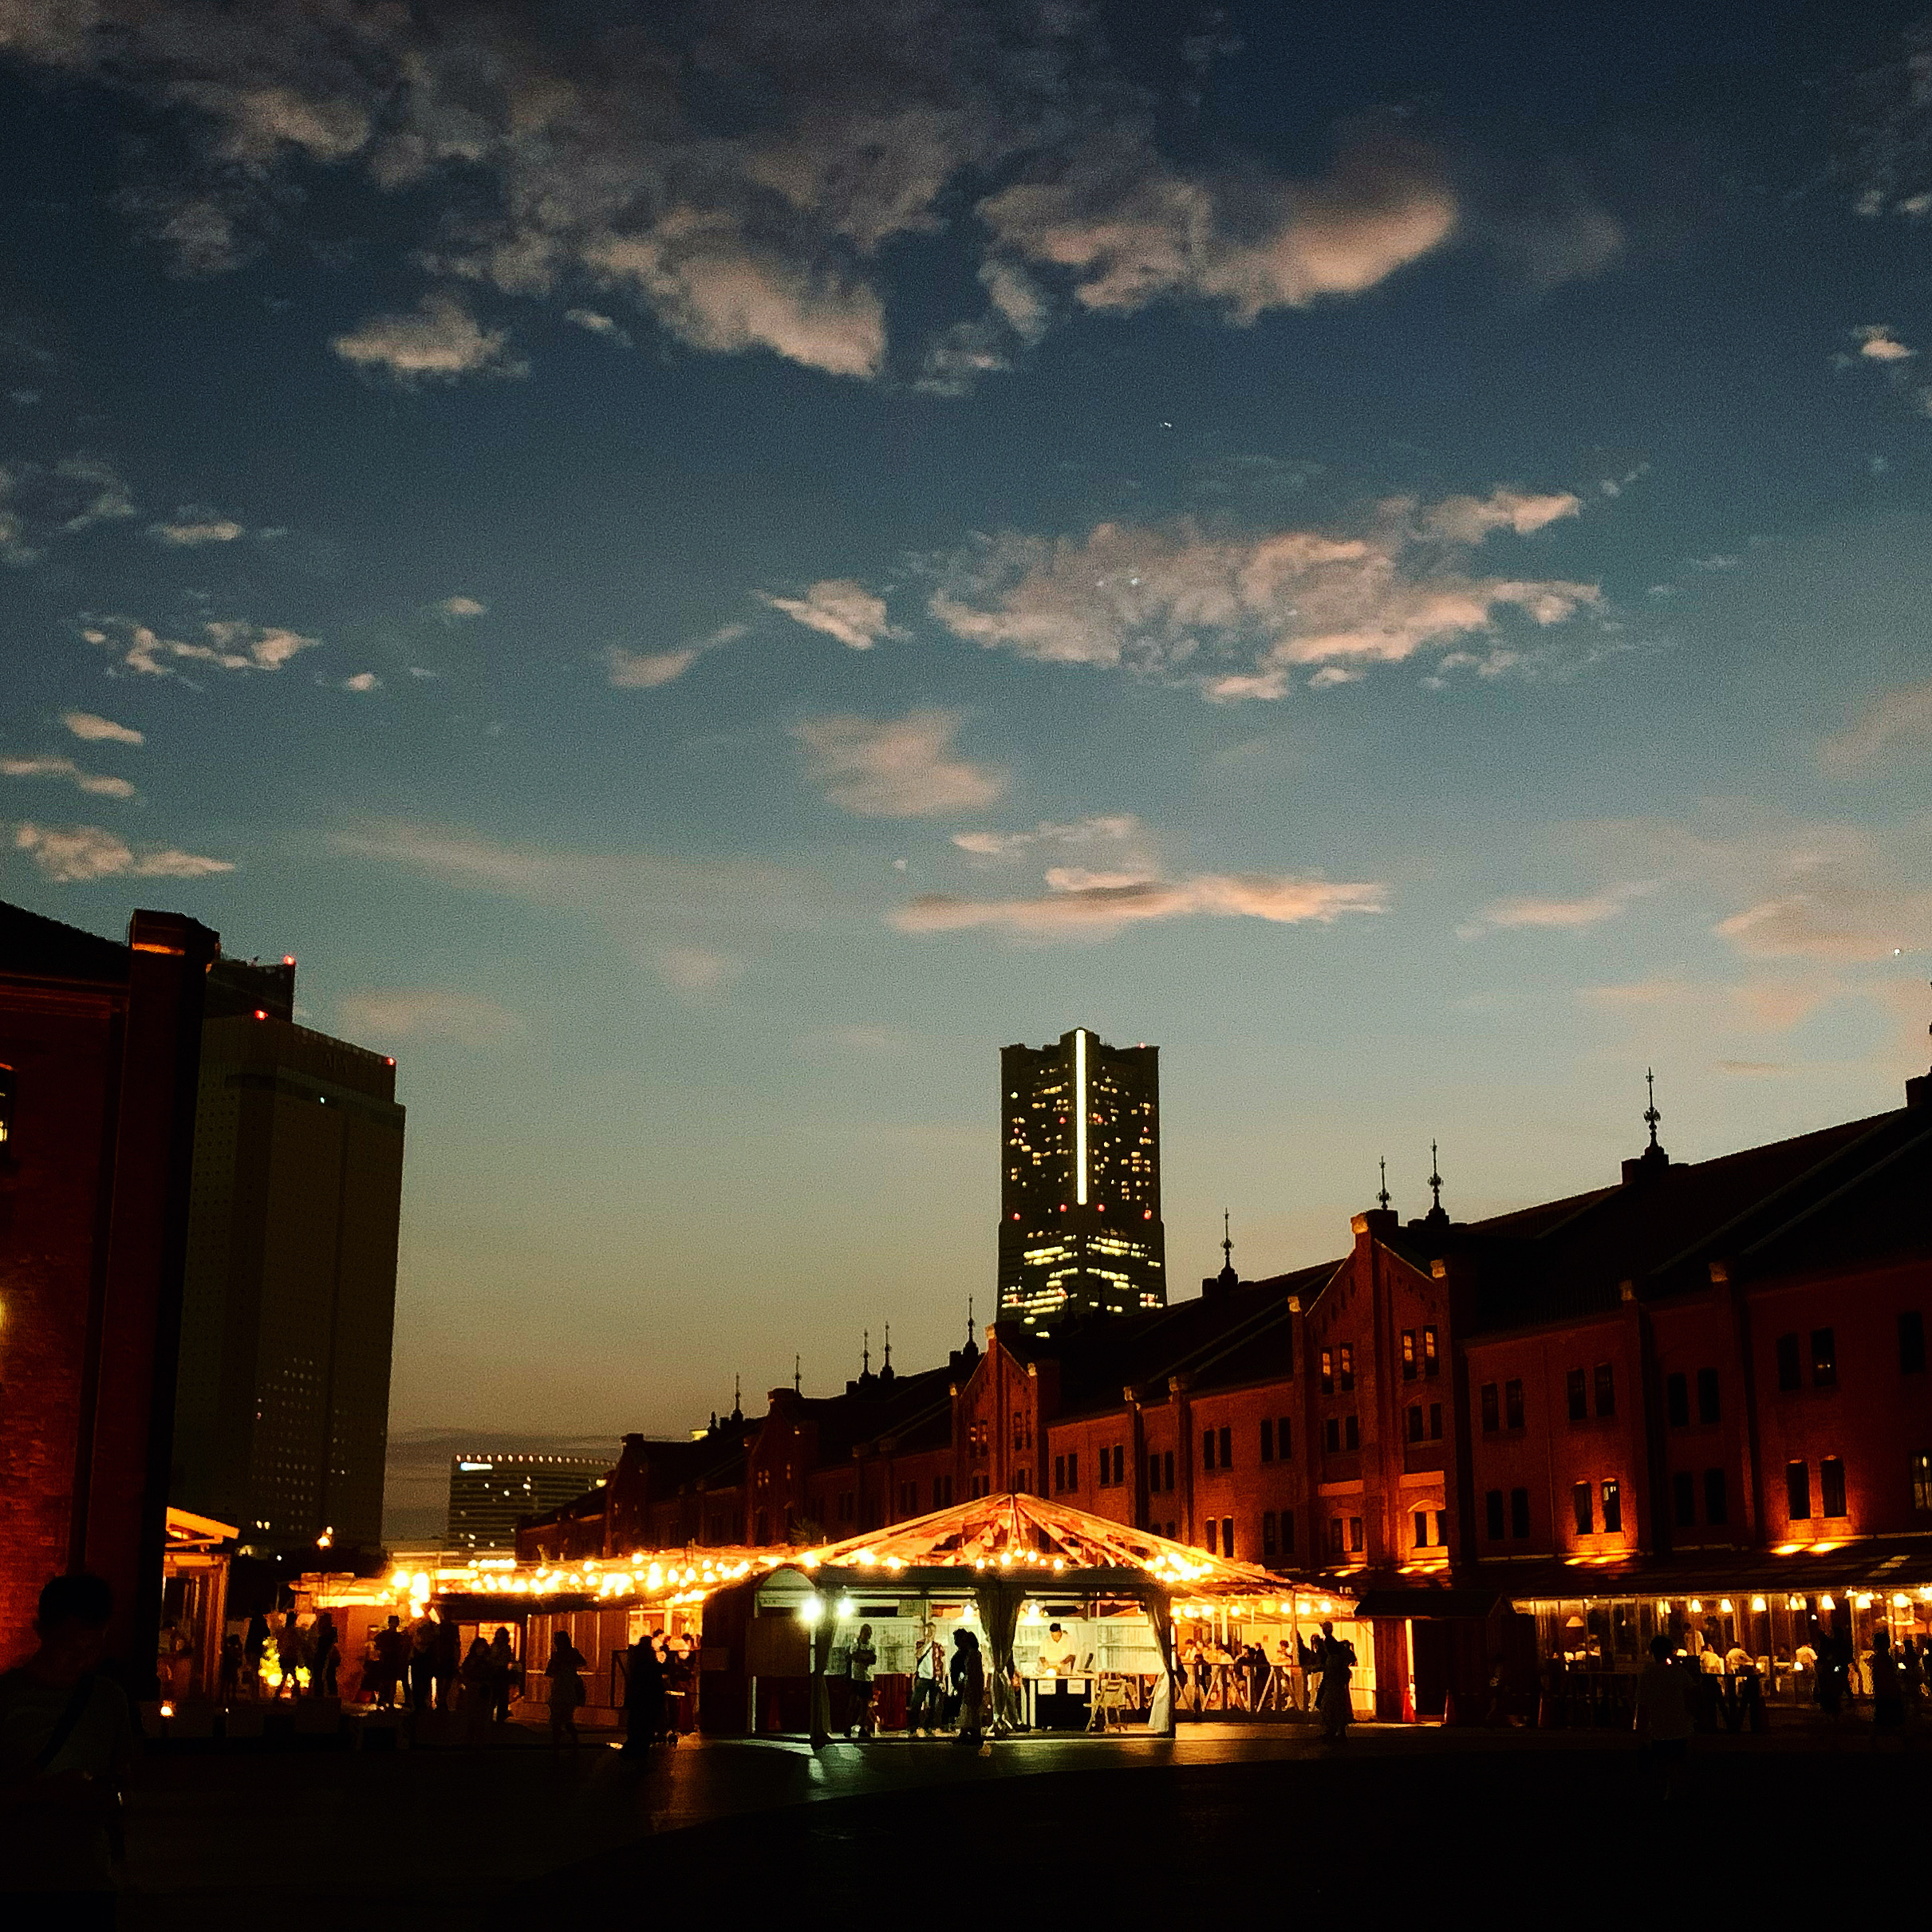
(1080, 1225)
(489, 1492)
(283, 1397)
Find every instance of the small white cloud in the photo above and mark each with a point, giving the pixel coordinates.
(440, 342)
(646, 670)
(1469, 519)
(190, 528)
(897, 768)
(96, 730)
(1532, 914)
(841, 609)
(1878, 344)
(99, 784)
(363, 680)
(463, 607)
(76, 853)
(598, 324)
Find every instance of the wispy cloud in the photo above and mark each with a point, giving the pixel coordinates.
(1532, 912)
(96, 729)
(1078, 904)
(190, 528)
(1119, 833)
(73, 854)
(48, 766)
(841, 609)
(1240, 616)
(392, 1016)
(461, 606)
(897, 768)
(698, 971)
(1898, 720)
(646, 670)
(222, 643)
(42, 502)
(653, 906)
(362, 680)
(439, 340)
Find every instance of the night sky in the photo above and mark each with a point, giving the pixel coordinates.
(704, 567)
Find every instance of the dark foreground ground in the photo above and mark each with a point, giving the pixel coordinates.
(1394, 1826)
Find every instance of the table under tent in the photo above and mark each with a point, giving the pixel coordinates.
(1005, 1567)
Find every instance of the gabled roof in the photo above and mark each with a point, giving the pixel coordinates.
(1021, 1534)
(1849, 1194)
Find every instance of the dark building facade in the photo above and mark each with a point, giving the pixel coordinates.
(99, 1047)
(1080, 1227)
(283, 1404)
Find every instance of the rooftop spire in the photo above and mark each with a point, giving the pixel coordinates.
(865, 1355)
(1227, 1242)
(1651, 1116)
(888, 1345)
(1382, 1198)
(797, 1380)
(1435, 1177)
(737, 1398)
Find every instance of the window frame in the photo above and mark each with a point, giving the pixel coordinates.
(1790, 1371)
(1611, 1496)
(1604, 1391)
(1490, 1409)
(1513, 1408)
(1576, 1394)
(1798, 1488)
(1716, 1498)
(1831, 1488)
(1520, 1526)
(1710, 1398)
(1824, 1358)
(1582, 1504)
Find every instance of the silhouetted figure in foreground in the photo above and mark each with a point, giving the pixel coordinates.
(503, 1675)
(66, 1740)
(1663, 1721)
(326, 1660)
(969, 1684)
(1887, 1688)
(644, 1696)
(1337, 1670)
(254, 1647)
(566, 1688)
(476, 1699)
(288, 1657)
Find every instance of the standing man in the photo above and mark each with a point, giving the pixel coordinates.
(66, 1741)
(1338, 1669)
(859, 1662)
(929, 1667)
(644, 1696)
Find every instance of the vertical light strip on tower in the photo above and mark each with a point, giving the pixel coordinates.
(1080, 1117)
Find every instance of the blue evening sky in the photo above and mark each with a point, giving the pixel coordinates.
(703, 567)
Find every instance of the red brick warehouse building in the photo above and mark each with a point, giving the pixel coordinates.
(1702, 1370)
(100, 1046)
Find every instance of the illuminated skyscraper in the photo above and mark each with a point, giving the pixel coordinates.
(1080, 1180)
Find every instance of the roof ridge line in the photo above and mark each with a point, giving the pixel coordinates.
(1716, 1234)
(1845, 1187)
